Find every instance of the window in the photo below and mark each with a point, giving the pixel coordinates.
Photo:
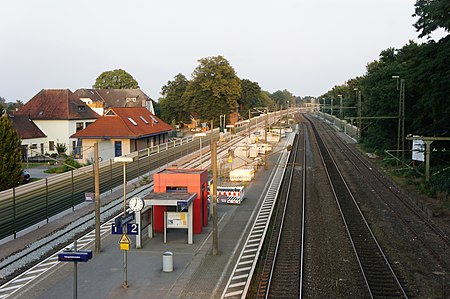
(154, 119)
(79, 126)
(33, 146)
(118, 148)
(132, 121)
(144, 120)
(51, 145)
(87, 123)
(176, 189)
(81, 108)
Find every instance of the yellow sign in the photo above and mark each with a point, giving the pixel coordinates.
(124, 242)
(230, 159)
(124, 246)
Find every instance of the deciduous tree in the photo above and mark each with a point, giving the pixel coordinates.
(172, 104)
(433, 14)
(250, 92)
(116, 79)
(214, 89)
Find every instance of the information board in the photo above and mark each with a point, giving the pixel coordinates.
(177, 220)
(418, 150)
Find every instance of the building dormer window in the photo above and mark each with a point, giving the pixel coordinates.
(86, 100)
(81, 108)
(154, 119)
(143, 119)
(132, 121)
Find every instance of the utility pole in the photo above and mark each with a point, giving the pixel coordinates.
(401, 118)
(358, 119)
(97, 199)
(287, 113)
(340, 106)
(214, 198)
(212, 138)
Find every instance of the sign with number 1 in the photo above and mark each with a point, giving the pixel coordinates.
(116, 229)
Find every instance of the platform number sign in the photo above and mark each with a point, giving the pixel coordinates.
(132, 228)
(116, 229)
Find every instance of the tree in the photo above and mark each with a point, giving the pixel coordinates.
(12, 107)
(213, 90)
(172, 104)
(433, 14)
(116, 79)
(249, 98)
(10, 154)
(266, 101)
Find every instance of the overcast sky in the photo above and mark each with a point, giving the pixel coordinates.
(304, 46)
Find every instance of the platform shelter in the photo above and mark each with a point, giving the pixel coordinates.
(178, 213)
(176, 180)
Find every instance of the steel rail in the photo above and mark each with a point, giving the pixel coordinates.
(241, 276)
(282, 228)
(381, 280)
(392, 189)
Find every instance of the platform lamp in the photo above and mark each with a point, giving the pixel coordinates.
(124, 160)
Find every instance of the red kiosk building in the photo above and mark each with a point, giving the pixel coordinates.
(184, 181)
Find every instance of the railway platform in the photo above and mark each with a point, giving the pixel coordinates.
(196, 272)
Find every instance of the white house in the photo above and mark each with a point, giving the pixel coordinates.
(58, 114)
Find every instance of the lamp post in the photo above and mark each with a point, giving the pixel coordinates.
(124, 160)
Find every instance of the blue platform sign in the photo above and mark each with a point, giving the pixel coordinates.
(116, 229)
(132, 228)
(123, 220)
(75, 256)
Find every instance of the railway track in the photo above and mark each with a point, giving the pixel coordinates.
(380, 279)
(282, 269)
(420, 226)
(240, 279)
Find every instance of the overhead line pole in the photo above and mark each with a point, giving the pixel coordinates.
(97, 199)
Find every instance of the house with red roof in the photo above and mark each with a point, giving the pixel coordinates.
(120, 131)
(57, 113)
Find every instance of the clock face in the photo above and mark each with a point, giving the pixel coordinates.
(136, 204)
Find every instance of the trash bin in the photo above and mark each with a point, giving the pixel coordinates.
(167, 261)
